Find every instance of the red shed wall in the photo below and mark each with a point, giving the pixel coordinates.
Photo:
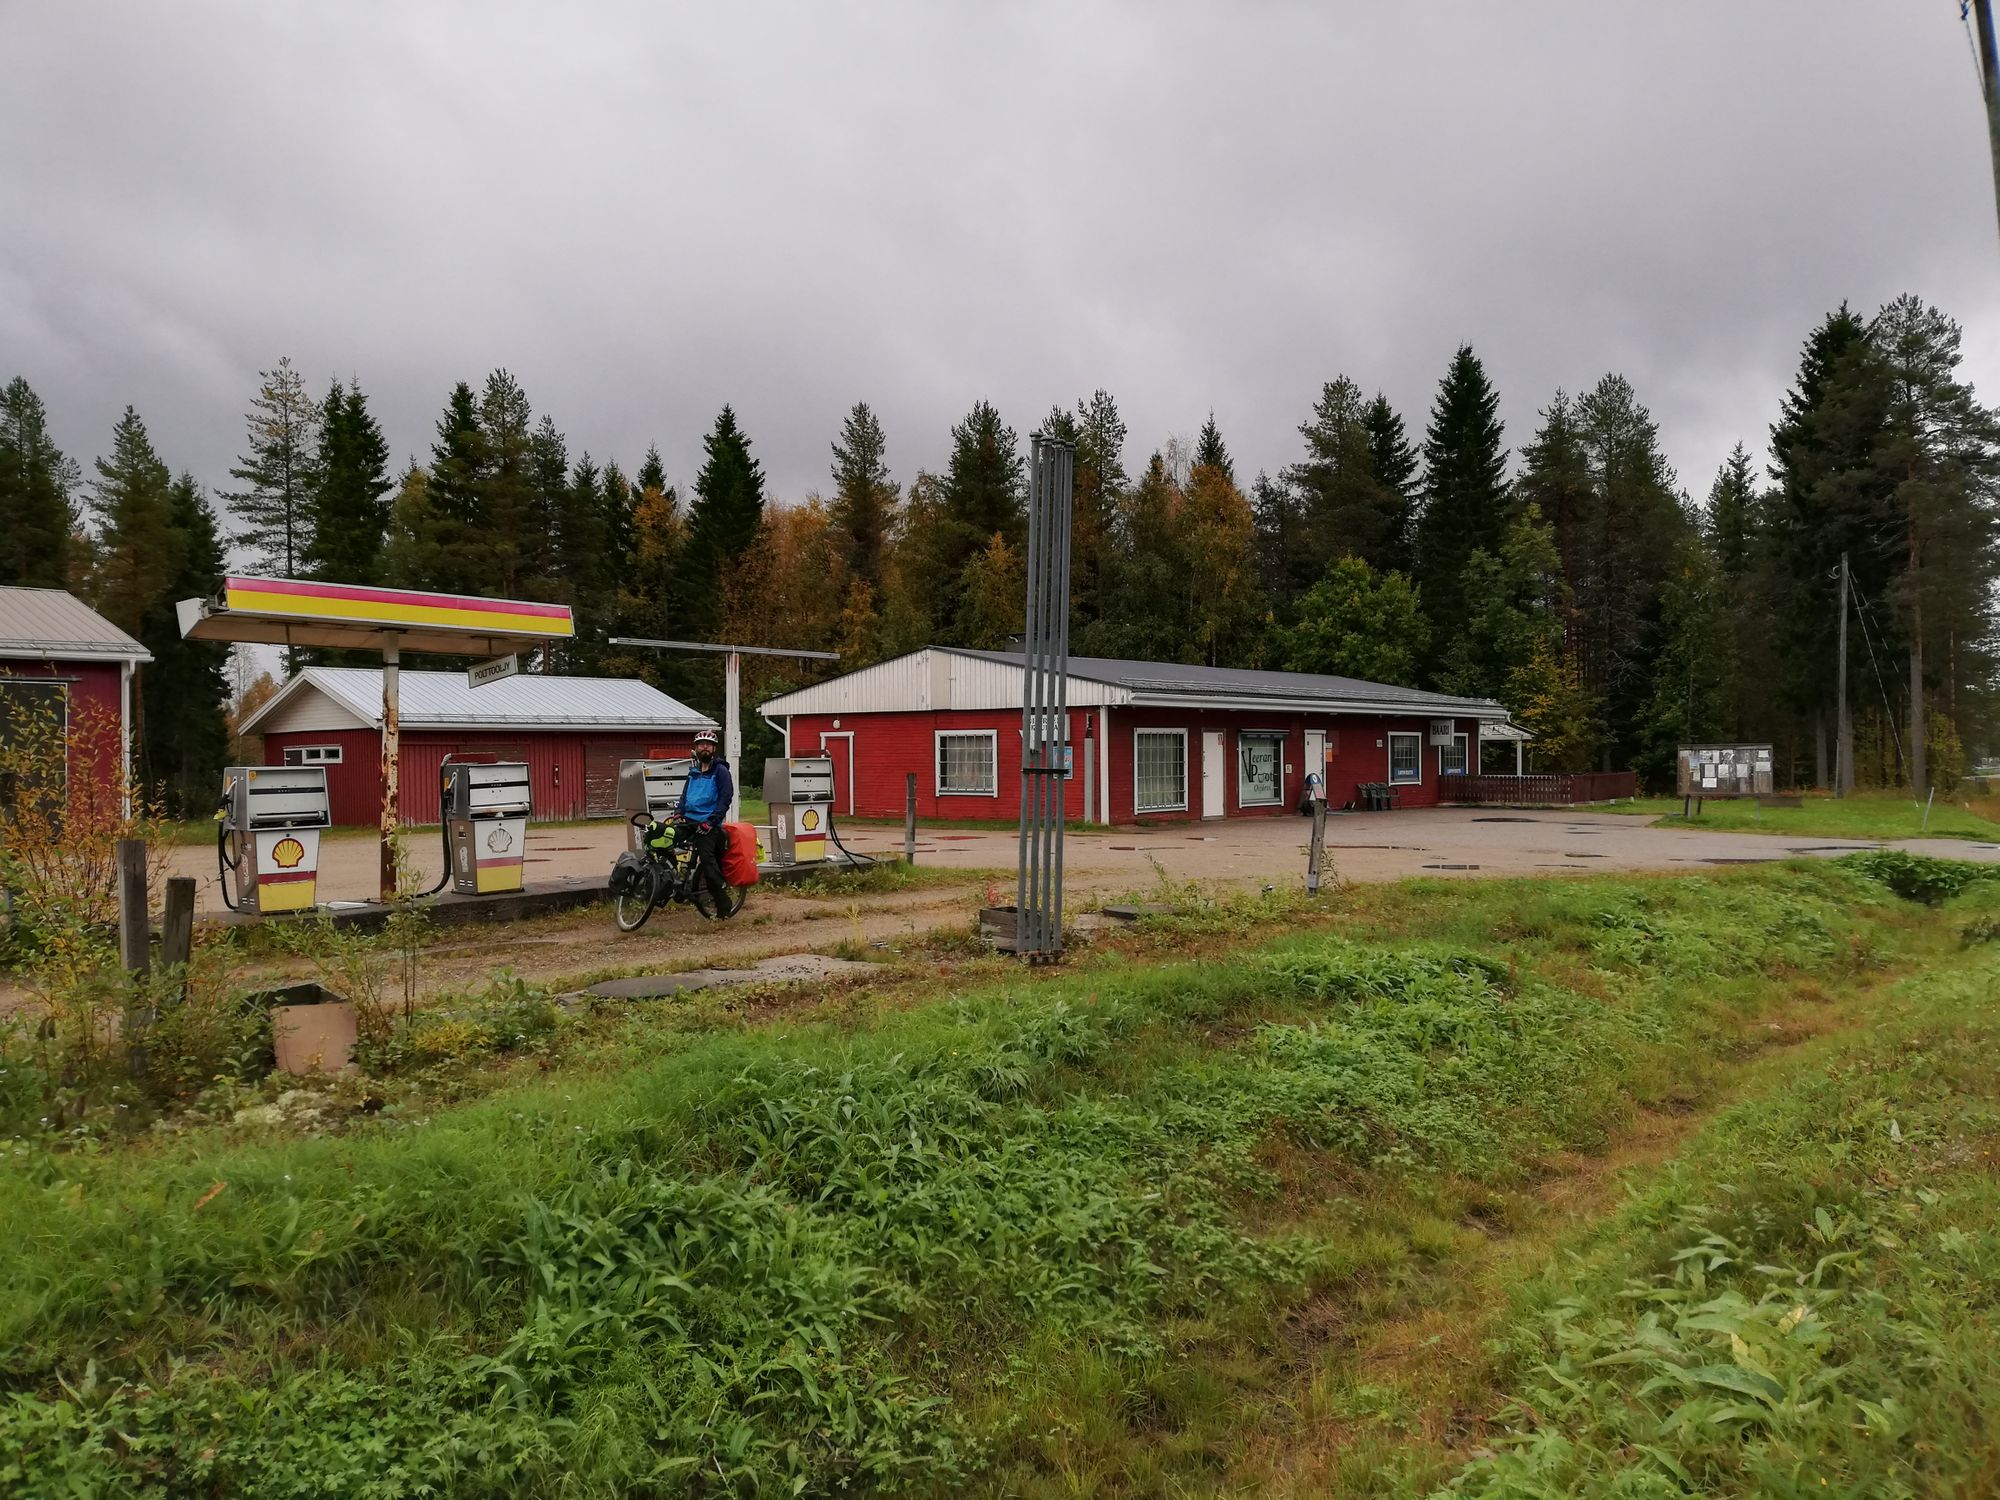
(93, 718)
(887, 746)
(566, 772)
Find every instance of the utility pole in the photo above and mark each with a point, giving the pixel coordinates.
(1989, 85)
(1843, 750)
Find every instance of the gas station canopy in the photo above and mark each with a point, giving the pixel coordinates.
(294, 612)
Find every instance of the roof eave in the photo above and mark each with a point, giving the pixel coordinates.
(69, 651)
(1469, 708)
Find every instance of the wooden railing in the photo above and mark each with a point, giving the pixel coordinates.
(1555, 789)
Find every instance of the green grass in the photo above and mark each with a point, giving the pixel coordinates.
(1864, 816)
(889, 874)
(989, 1241)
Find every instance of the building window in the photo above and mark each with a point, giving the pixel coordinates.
(1452, 758)
(1259, 779)
(312, 755)
(965, 765)
(1159, 760)
(1406, 758)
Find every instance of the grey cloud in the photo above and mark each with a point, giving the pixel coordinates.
(647, 210)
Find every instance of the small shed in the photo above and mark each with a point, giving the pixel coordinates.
(61, 658)
(1146, 740)
(571, 732)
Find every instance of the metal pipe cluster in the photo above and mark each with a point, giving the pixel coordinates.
(1045, 698)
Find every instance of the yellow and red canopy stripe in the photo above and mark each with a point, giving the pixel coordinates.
(390, 608)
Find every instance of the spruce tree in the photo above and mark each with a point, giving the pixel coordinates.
(279, 474)
(184, 688)
(983, 490)
(1100, 480)
(1731, 515)
(585, 565)
(504, 549)
(454, 512)
(1464, 487)
(1210, 452)
(1635, 521)
(37, 494)
(134, 512)
(543, 576)
(1394, 463)
(1283, 565)
(350, 511)
(729, 505)
(864, 497)
(1347, 511)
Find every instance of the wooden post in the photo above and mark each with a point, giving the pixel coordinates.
(910, 818)
(392, 762)
(177, 927)
(135, 928)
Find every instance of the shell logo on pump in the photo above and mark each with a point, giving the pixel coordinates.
(287, 853)
(499, 840)
(808, 820)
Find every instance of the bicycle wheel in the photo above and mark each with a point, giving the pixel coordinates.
(635, 899)
(733, 897)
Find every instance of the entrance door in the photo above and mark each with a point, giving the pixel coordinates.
(841, 748)
(1315, 758)
(1214, 772)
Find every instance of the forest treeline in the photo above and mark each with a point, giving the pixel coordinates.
(1575, 580)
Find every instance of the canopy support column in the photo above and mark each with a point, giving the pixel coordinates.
(392, 748)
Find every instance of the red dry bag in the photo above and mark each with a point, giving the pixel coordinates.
(739, 859)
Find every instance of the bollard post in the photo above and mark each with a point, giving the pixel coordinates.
(135, 929)
(177, 927)
(1316, 851)
(910, 818)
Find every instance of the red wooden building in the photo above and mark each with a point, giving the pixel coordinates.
(1146, 739)
(61, 658)
(571, 732)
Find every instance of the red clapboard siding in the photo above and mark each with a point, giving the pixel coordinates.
(93, 708)
(886, 747)
(571, 774)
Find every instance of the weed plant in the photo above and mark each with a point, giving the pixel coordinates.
(824, 1257)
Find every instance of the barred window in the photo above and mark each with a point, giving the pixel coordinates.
(1160, 783)
(1259, 782)
(965, 764)
(1406, 763)
(1452, 758)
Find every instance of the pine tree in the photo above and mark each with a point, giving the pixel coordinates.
(1210, 452)
(349, 520)
(1283, 565)
(983, 495)
(1941, 457)
(864, 497)
(37, 489)
(1464, 487)
(184, 688)
(134, 511)
(279, 473)
(722, 523)
(1395, 466)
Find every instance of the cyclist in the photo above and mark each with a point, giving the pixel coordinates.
(704, 804)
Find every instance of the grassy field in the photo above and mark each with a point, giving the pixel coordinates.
(1865, 816)
(1264, 1199)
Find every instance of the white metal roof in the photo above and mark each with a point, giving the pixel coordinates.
(442, 700)
(51, 625)
(949, 677)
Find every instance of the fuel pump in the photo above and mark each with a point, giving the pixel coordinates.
(649, 786)
(486, 811)
(267, 836)
(799, 789)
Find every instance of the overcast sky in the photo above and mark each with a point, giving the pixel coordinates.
(647, 210)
